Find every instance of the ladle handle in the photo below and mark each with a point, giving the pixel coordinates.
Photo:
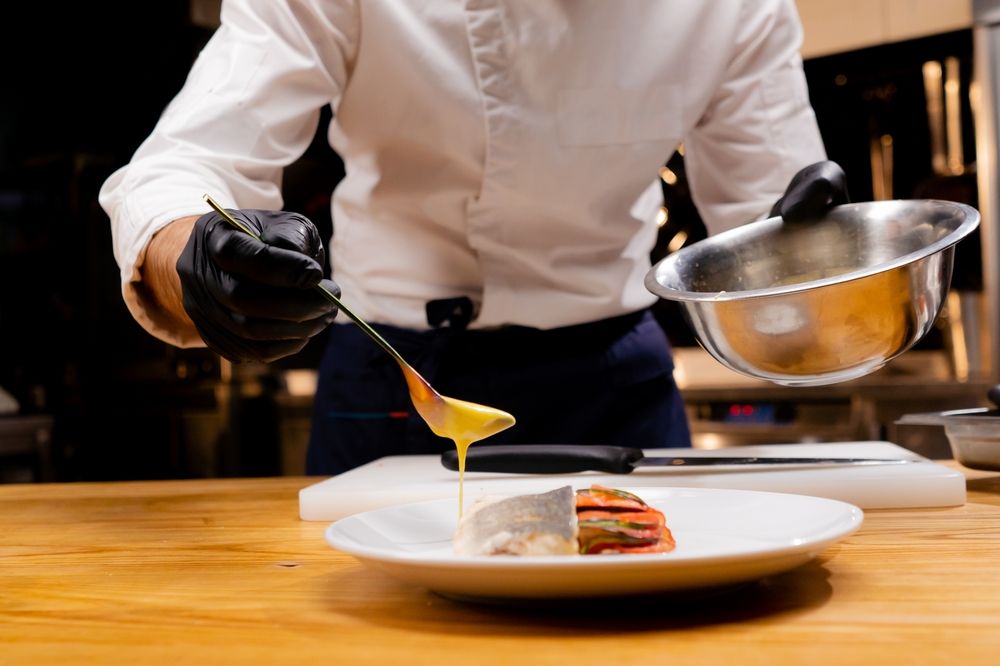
(329, 295)
(362, 324)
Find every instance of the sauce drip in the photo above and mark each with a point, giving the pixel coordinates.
(463, 422)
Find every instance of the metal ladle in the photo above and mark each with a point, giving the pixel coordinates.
(458, 420)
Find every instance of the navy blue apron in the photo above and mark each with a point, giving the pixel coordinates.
(607, 382)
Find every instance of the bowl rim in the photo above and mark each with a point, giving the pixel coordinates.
(971, 219)
(969, 416)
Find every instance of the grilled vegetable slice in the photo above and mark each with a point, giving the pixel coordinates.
(616, 521)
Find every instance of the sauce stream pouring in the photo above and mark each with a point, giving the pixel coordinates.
(460, 421)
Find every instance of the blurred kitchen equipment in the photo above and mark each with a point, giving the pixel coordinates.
(465, 422)
(26, 448)
(826, 302)
(973, 434)
(986, 64)
(8, 404)
(954, 180)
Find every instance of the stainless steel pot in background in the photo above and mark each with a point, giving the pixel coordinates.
(973, 434)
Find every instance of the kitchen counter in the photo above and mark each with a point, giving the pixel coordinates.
(223, 571)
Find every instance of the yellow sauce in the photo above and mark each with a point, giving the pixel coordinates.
(460, 421)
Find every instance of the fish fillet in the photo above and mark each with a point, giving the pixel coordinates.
(542, 524)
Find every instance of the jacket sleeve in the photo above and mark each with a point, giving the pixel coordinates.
(249, 107)
(759, 128)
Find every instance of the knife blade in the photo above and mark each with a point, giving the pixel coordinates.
(569, 458)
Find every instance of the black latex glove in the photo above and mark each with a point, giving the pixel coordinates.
(812, 192)
(253, 300)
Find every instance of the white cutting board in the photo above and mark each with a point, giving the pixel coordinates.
(404, 479)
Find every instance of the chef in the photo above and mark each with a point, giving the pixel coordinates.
(498, 209)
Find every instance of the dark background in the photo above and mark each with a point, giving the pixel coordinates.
(84, 85)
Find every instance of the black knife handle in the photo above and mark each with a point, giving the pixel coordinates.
(546, 458)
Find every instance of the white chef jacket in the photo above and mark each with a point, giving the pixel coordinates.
(504, 150)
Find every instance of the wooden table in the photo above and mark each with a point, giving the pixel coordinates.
(223, 571)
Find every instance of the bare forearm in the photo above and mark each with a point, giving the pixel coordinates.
(160, 281)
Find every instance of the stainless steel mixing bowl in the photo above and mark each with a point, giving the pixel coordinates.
(819, 303)
(973, 434)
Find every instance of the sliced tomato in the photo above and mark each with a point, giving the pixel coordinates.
(616, 521)
(644, 517)
(599, 497)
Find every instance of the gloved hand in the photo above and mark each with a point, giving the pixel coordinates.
(812, 191)
(254, 300)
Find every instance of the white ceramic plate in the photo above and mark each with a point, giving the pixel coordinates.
(723, 537)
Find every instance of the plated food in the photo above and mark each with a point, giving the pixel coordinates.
(590, 521)
(723, 536)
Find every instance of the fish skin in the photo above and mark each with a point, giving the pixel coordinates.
(541, 524)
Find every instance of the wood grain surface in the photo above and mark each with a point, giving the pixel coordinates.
(223, 571)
